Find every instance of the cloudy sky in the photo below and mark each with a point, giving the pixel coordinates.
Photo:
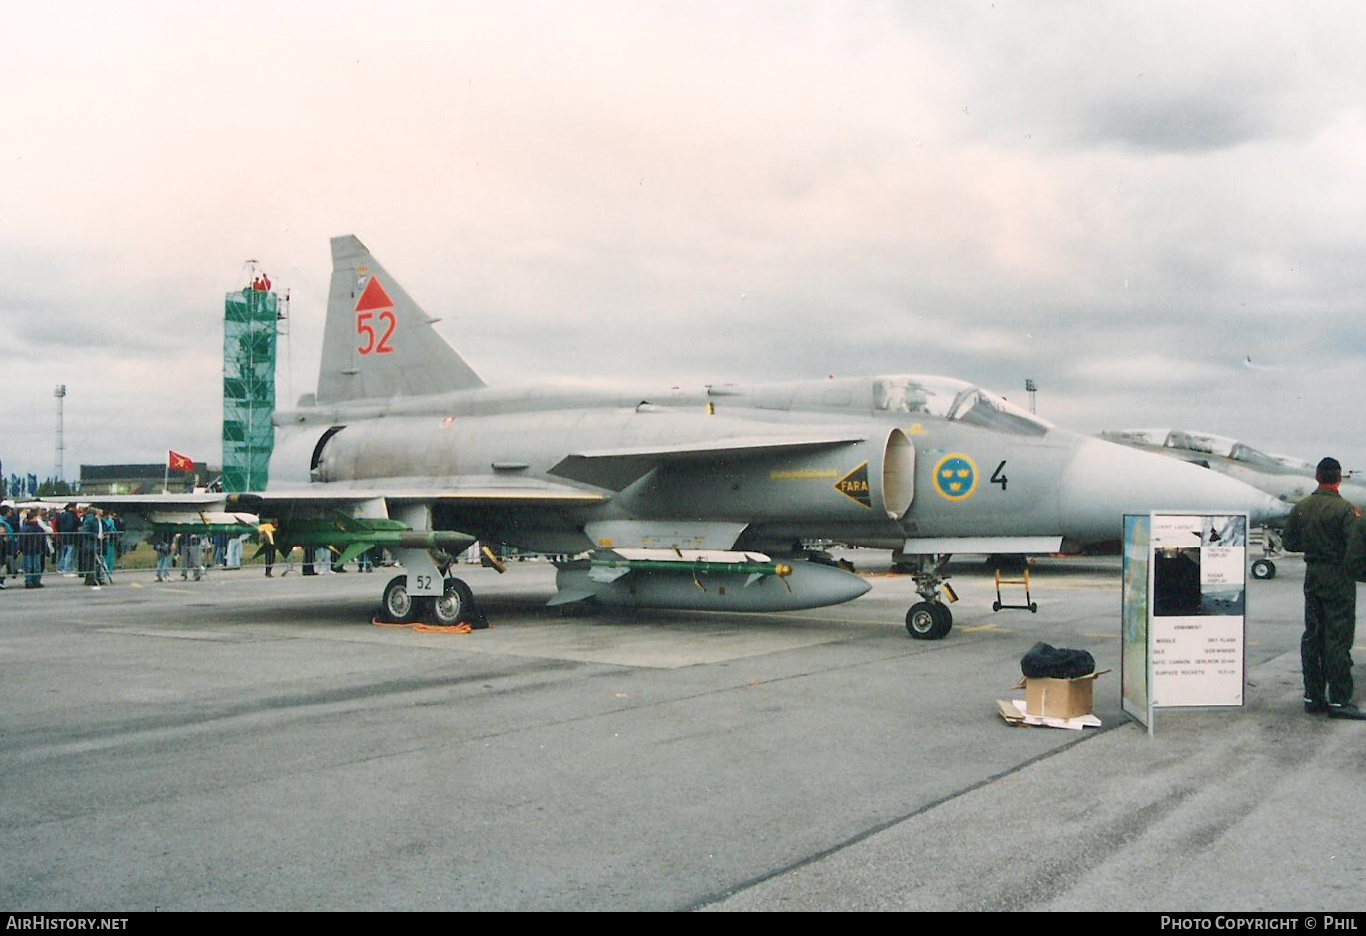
(1124, 201)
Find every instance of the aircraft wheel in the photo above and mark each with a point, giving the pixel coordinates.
(1263, 569)
(928, 620)
(996, 606)
(399, 606)
(1033, 607)
(945, 615)
(454, 605)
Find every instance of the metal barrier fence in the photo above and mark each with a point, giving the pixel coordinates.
(31, 552)
(98, 556)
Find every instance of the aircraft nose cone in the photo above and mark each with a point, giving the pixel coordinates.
(1274, 514)
(1104, 481)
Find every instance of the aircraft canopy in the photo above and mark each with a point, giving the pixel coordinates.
(957, 401)
(1210, 444)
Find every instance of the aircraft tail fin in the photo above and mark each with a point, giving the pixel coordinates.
(377, 342)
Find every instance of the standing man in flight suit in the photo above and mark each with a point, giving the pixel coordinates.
(1319, 527)
(1356, 552)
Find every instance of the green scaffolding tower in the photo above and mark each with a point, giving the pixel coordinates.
(250, 318)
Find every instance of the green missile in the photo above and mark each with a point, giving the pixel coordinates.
(402, 539)
(352, 536)
(231, 529)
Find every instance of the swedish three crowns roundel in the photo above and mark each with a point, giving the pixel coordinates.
(955, 477)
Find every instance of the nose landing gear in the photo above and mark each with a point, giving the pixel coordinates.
(455, 605)
(930, 619)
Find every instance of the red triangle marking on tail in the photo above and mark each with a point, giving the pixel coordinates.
(374, 297)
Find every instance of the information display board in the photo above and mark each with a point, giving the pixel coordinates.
(1134, 670)
(1185, 629)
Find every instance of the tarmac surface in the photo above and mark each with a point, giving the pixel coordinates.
(252, 743)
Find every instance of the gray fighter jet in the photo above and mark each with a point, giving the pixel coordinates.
(674, 499)
(1284, 477)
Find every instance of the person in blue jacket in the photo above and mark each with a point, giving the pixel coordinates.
(33, 543)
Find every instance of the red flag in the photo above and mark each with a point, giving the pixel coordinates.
(180, 462)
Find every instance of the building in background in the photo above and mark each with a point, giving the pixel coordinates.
(142, 479)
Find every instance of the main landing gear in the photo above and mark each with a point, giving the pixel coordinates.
(454, 606)
(930, 619)
(399, 606)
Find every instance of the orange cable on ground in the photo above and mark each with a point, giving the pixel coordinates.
(454, 629)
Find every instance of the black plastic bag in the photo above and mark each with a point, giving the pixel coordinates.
(1044, 661)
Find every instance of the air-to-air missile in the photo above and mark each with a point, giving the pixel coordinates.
(203, 523)
(351, 536)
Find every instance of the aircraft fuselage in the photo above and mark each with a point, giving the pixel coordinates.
(904, 474)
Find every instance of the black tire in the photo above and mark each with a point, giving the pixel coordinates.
(945, 616)
(1263, 569)
(996, 606)
(1033, 607)
(459, 585)
(399, 607)
(928, 620)
(454, 606)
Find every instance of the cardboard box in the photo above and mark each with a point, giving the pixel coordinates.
(1013, 711)
(1060, 698)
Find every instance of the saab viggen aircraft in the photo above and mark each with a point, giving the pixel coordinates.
(669, 499)
(1283, 477)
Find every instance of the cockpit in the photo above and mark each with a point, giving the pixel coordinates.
(1232, 449)
(956, 401)
(1251, 456)
(1201, 442)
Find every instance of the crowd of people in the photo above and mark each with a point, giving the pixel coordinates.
(76, 541)
(89, 542)
(195, 553)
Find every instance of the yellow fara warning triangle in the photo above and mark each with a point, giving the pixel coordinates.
(854, 485)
